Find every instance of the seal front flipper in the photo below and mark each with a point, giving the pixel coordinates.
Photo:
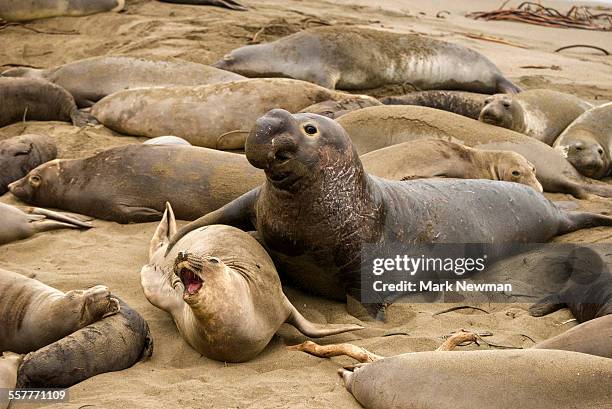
(506, 86)
(137, 214)
(546, 305)
(49, 214)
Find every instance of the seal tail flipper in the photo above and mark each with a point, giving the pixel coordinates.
(583, 220)
(505, 86)
(81, 119)
(165, 230)
(313, 330)
(51, 215)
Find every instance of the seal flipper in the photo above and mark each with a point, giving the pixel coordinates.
(81, 119)
(313, 330)
(504, 86)
(137, 214)
(49, 214)
(546, 305)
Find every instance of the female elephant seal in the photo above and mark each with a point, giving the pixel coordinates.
(429, 158)
(21, 154)
(459, 102)
(17, 225)
(587, 142)
(19, 10)
(113, 343)
(543, 379)
(32, 99)
(33, 314)
(92, 79)
(348, 57)
(222, 290)
(378, 127)
(540, 113)
(131, 184)
(217, 116)
(314, 174)
(9, 364)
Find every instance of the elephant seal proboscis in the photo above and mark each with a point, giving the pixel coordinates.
(131, 184)
(222, 290)
(335, 109)
(217, 116)
(9, 364)
(166, 140)
(459, 102)
(21, 154)
(533, 378)
(33, 315)
(18, 225)
(587, 142)
(348, 57)
(378, 127)
(113, 343)
(429, 158)
(92, 79)
(540, 113)
(18, 10)
(229, 4)
(314, 174)
(33, 99)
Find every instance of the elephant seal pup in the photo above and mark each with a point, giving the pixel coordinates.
(459, 102)
(429, 158)
(17, 225)
(378, 127)
(217, 116)
(33, 314)
(113, 343)
(9, 364)
(131, 184)
(229, 4)
(355, 58)
(32, 99)
(222, 290)
(167, 140)
(19, 10)
(306, 157)
(92, 79)
(21, 154)
(587, 142)
(543, 379)
(335, 109)
(540, 113)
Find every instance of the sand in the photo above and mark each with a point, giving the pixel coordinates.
(113, 254)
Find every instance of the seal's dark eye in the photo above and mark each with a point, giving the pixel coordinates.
(310, 129)
(35, 180)
(578, 148)
(516, 173)
(600, 151)
(506, 104)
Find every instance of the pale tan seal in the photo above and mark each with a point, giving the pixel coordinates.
(222, 290)
(9, 364)
(19, 10)
(428, 158)
(33, 314)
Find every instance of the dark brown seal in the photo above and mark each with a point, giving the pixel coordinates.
(459, 102)
(21, 154)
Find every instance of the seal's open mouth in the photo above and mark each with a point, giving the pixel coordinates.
(192, 282)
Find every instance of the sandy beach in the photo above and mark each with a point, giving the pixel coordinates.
(113, 254)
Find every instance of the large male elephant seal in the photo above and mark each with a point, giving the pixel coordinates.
(540, 113)
(33, 314)
(230, 4)
(19, 10)
(92, 79)
(18, 225)
(543, 379)
(131, 184)
(222, 290)
(21, 154)
(378, 127)
(587, 142)
(459, 102)
(314, 175)
(348, 57)
(33, 99)
(113, 343)
(9, 364)
(217, 116)
(429, 158)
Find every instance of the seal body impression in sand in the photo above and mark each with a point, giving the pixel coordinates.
(343, 57)
(222, 290)
(314, 175)
(19, 10)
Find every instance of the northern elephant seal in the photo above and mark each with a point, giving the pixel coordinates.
(314, 174)
(18, 225)
(593, 337)
(114, 343)
(587, 142)
(378, 127)
(131, 184)
(217, 116)
(33, 99)
(33, 314)
(348, 57)
(92, 79)
(429, 158)
(335, 109)
(230, 4)
(222, 290)
(9, 364)
(459, 102)
(21, 154)
(540, 113)
(19, 10)
(544, 379)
